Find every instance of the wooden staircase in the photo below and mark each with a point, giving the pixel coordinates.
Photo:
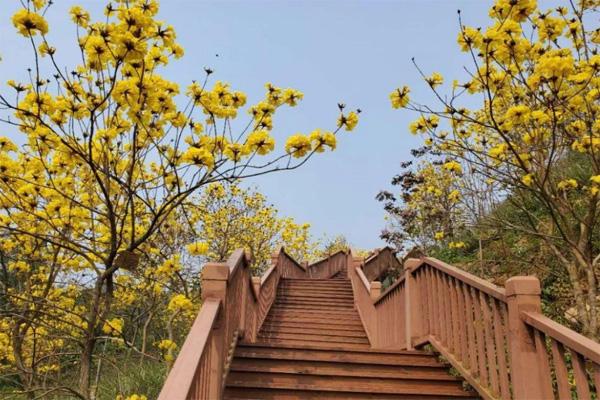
(329, 331)
(312, 345)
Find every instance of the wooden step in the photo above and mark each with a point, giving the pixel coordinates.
(316, 297)
(320, 313)
(315, 306)
(345, 384)
(308, 291)
(327, 325)
(309, 317)
(245, 393)
(312, 287)
(315, 286)
(274, 319)
(343, 346)
(358, 356)
(310, 329)
(325, 368)
(312, 337)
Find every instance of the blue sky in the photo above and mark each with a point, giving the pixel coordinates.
(350, 51)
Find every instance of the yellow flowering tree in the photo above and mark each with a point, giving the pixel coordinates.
(112, 148)
(228, 217)
(534, 132)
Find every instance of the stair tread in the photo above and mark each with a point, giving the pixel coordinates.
(314, 337)
(312, 331)
(232, 393)
(346, 384)
(327, 368)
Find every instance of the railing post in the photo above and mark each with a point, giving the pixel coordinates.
(256, 286)
(375, 289)
(523, 294)
(214, 286)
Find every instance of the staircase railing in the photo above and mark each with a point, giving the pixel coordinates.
(234, 306)
(497, 338)
(330, 266)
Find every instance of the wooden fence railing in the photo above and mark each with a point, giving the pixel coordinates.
(379, 262)
(234, 306)
(330, 266)
(496, 338)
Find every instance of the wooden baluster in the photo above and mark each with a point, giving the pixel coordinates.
(470, 327)
(523, 294)
(490, 348)
(454, 317)
(479, 335)
(426, 317)
(448, 311)
(443, 310)
(581, 378)
(596, 376)
(430, 294)
(434, 295)
(560, 370)
(501, 349)
(542, 353)
(462, 324)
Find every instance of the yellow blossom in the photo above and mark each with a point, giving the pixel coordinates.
(435, 79)
(567, 184)
(349, 121)
(399, 97)
(298, 145)
(198, 248)
(113, 326)
(29, 23)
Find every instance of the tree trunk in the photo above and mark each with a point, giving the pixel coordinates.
(85, 367)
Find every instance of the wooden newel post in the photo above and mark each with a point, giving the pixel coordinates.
(375, 289)
(256, 287)
(214, 286)
(523, 294)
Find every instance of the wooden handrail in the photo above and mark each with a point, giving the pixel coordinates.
(194, 349)
(551, 342)
(469, 279)
(573, 340)
(389, 289)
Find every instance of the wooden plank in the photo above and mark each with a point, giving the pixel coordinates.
(560, 370)
(434, 302)
(478, 324)
(544, 371)
(582, 384)
(596, 376)
(490, 348)
(473, 365)
(454, 317)
(501, 349)
(443, 309)
(462, 323)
